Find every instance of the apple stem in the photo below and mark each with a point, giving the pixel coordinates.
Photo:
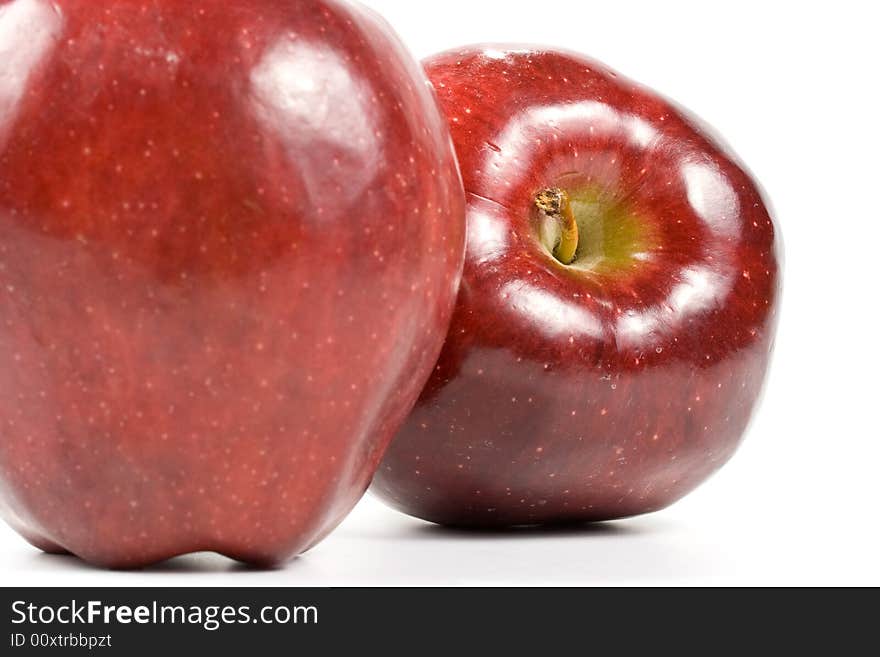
(556, 206)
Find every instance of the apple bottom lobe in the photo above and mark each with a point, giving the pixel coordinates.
(266, 553)
(35, 538)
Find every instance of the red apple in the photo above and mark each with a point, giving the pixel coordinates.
(230, 240)
(618, 305)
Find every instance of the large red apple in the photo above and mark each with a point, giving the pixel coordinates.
(617, 309)
(230, 240)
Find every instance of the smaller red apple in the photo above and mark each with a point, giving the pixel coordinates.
(618, 306)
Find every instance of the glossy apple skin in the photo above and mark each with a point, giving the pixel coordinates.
(563, 395)
(230, 241)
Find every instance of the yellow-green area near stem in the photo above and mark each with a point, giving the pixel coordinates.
(611, 236)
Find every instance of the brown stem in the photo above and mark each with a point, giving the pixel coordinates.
(554, 203)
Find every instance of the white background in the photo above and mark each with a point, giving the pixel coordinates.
(794, 88)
